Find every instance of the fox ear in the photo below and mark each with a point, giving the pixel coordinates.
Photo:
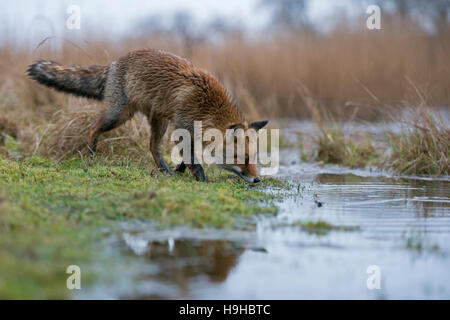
(259, 124)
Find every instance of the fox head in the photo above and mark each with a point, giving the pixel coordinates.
(239, 137)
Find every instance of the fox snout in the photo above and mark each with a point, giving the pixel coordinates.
(242, 165)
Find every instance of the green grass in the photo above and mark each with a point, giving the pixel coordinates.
(52, 213)
(419, 243)
(319, 227)
(333, 146)
(423, 148)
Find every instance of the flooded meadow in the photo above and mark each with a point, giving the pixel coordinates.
(330, 234)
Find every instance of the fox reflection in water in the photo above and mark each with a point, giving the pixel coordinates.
(184, 260)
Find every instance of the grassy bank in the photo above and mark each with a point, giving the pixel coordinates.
(52, 213)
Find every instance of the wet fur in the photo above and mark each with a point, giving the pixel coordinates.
(89, 83)
(161, 85)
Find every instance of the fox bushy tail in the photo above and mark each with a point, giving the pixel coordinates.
(89, 83)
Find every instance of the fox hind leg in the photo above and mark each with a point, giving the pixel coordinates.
(111, 118)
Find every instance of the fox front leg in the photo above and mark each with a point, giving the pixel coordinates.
(181, 167)
(196, 168)
(198, 172)
(158, 129)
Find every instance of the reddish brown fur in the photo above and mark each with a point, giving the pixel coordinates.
(160, 83)
(8, 127)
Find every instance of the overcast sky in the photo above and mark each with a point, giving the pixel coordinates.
(28, 20)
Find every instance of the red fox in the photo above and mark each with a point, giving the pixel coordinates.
(162, 86)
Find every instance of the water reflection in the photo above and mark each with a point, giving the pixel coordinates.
(182, 261)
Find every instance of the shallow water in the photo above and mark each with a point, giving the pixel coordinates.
(403, 229)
